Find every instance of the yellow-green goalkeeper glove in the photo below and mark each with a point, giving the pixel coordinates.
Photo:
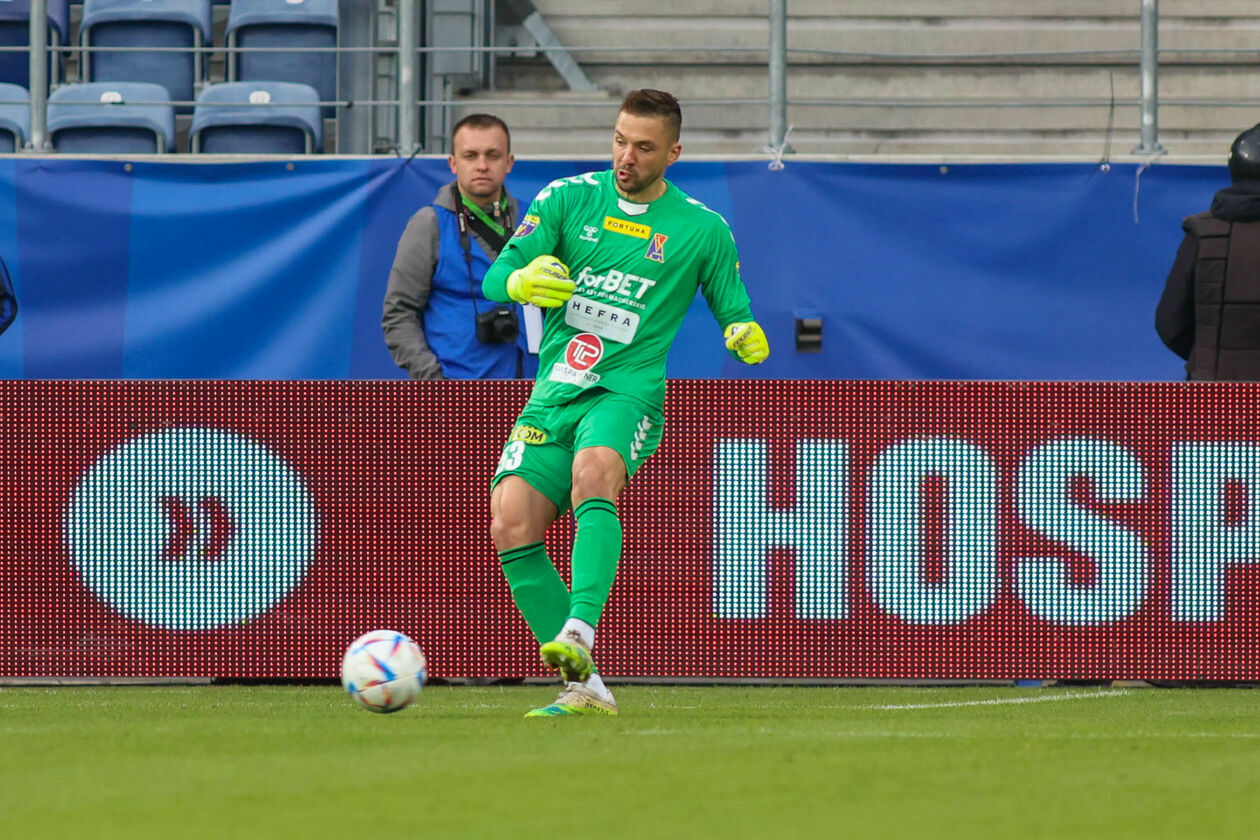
(747, 340)
(544, 282)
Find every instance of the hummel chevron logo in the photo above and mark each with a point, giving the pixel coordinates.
(640, 438)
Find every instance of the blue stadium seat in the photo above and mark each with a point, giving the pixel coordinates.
(257, 118)
(15, 31)
(182, 24)
(284, 23)
(15, 117)
(111, 118)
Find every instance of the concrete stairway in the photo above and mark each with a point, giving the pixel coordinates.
(872, 77)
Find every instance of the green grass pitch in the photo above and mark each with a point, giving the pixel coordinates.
(687, 762)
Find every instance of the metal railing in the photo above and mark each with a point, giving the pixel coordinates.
(1150, 79)
(410, 52)
(40, 53)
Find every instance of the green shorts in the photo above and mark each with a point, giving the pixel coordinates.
(541, 446)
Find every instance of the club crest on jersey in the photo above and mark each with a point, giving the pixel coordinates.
(527, 225)
(656, 248)
(634, 229)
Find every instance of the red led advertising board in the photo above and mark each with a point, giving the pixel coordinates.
(784, 530)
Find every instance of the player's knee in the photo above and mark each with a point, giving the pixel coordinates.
(600, 476)
(510, 528)
(505, 530)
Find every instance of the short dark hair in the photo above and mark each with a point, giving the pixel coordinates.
(481, 121)
(655, 103)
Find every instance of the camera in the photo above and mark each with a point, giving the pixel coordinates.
(498, 326)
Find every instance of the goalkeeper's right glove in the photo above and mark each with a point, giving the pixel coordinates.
(747, 340)
(544, 282)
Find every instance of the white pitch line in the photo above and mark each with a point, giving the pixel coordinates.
(945, 736)
(1004, 701)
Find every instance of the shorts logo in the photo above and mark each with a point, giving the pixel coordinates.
(528, 434)
(640, 437)
(584, 351)
(628, 228)
(656, 250)
(527, 225)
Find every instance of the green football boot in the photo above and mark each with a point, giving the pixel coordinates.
(569, 656)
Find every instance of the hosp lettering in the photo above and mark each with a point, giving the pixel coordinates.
(1194, 543)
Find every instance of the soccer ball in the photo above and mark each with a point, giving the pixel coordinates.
(383, 670)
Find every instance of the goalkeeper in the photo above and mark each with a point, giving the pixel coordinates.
(615, 258)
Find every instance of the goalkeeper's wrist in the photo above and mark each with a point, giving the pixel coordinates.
(494, 284)
(514, 286)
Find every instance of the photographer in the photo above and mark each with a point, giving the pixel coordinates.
(437, 323)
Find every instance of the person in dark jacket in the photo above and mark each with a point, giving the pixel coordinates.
(1209, 313)
(437, 322)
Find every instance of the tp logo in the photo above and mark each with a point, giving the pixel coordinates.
(191, 529)
(584, 351)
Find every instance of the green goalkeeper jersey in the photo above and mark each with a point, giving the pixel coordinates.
(637, 268)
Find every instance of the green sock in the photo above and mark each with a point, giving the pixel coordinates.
(596, 551)
(537, 589)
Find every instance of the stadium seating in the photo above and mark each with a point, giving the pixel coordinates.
(111, 118)
(257, 118)
(284, 23)
(15, 22)
(149, 23)
(15, 117)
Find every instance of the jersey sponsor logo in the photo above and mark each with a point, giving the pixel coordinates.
(527, 225)
(584, 351)
(615, 282)
(590, 233)
(656, 249)
(604, 319)
(560, 372)
(634, 229)
(582, 354)
(528, 434)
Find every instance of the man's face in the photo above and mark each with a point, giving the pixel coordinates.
(480, 162)
(642, 149)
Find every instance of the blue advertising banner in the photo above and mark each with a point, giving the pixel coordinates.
(277, 270)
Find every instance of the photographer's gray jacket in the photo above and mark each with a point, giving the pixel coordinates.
(431, 303)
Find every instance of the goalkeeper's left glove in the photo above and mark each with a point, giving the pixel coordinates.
(747, 340)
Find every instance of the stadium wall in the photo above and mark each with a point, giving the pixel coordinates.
(276, 269)
(785, 530)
